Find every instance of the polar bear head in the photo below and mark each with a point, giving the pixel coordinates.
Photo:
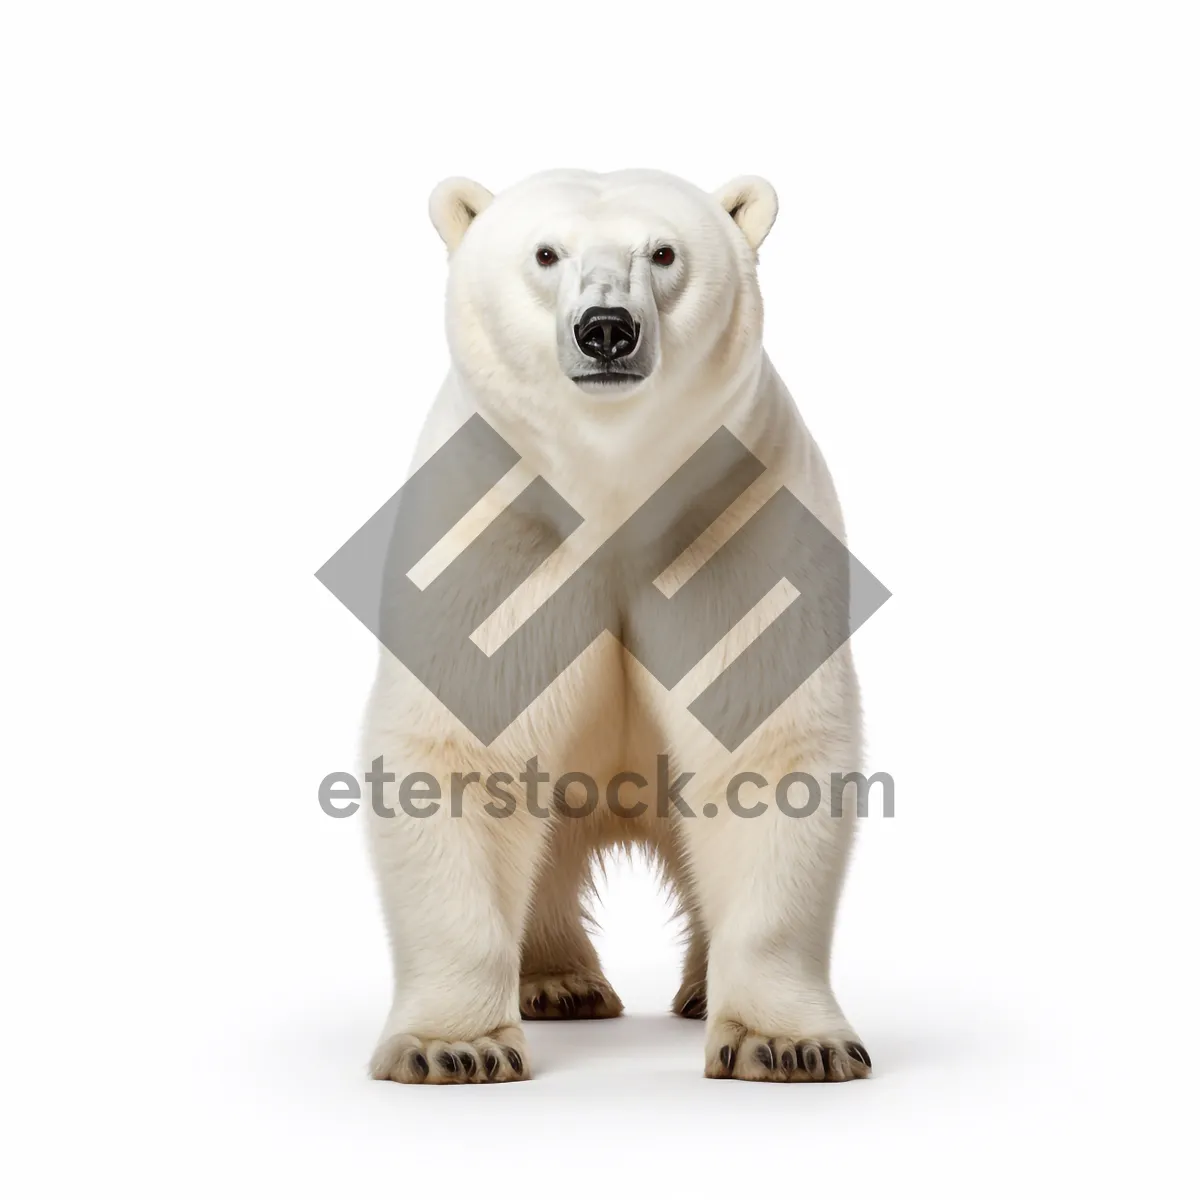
(574, 288)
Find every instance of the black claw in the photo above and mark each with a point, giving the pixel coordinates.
(812, 1060)
(514, 1060)
(538, 1002)
(727, 1057)
(860, 1052)
(448, 1061)
(491, 1064)
(419, 1063)
(766, 1056)
(826, 1061)
(567, 1004)
(469, 1065)
(787, 1060)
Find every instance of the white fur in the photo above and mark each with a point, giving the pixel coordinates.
(463, 896)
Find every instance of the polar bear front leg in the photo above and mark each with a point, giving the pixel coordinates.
(455, 889)
(768, 885)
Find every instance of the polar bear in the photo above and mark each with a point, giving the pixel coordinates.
(606, 326)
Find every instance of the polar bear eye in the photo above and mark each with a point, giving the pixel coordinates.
(664, 256)
(546, 257)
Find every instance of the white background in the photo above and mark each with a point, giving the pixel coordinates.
(220, 326)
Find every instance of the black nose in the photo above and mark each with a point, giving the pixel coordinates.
(606, 333)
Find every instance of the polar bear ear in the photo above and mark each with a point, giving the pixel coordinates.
(453, 205)
(753, 205)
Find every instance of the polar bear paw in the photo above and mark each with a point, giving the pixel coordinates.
(735, 1052)
(499, 1057)
(691, 1001)
(569, 996)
